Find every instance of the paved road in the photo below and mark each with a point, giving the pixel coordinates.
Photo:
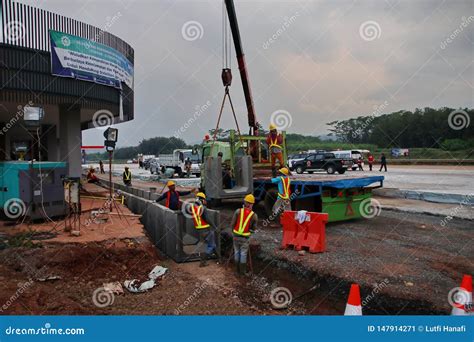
(439, 178)
(427, 178)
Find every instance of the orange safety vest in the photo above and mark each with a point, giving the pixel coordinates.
(168, 196)
(286, 188)
(242, 226)
(199, 222)
(274, 142)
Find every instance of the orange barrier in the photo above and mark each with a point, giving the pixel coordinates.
(311, 233)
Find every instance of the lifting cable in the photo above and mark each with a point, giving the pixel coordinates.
(226, 74)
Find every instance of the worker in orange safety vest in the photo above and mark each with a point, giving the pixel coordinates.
(283, 201)
(274, 142)
(243, 223)
(204, 228)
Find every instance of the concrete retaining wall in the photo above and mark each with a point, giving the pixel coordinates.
(170, 231)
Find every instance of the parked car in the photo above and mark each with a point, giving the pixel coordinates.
(146, 163)
(293, 158)
(351, 154)
(322, 161)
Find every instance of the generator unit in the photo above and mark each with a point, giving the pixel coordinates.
(32, 188)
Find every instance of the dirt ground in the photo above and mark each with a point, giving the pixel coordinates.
(46, 271)
(406, 263)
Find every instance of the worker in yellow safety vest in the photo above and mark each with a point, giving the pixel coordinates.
(283, 201)
(243, 223)
(274, 142)
(204, 228)
(127, 177)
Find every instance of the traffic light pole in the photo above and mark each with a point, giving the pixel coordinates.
(111, 187)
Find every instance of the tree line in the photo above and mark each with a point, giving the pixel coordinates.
(446, 128)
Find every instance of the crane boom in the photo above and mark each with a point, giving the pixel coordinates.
(234, 26)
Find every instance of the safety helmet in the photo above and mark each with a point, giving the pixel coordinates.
(285, 171)
(272, 127)
(249, 198)
(170, 183)
(201, 195)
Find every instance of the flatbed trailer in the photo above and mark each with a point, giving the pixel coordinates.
(342, 197)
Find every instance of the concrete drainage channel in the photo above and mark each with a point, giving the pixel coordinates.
(170, 231)
(174, 235)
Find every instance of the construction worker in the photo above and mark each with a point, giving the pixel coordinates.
(187, 165)
(91, 177)
(101, 166)
(283, 201)
(206, 232)
(172, 196)
(127, 176)
(244, 223)
(370, 160)
(274, 141)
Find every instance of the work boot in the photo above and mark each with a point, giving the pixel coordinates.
(203, 262)
(237, 268)
(243, 268)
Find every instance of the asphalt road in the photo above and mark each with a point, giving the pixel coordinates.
(428, 178)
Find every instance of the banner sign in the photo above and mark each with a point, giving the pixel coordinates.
(84, 59)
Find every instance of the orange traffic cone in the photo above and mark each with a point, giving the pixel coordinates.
(354, 305)
(461, 297)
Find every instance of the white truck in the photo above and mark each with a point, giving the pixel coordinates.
(177, 161)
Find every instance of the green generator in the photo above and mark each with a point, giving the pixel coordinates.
(31, 188)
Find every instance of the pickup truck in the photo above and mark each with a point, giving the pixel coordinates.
(322, 161)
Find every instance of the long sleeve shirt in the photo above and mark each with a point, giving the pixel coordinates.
(277, 180)
(174, 198)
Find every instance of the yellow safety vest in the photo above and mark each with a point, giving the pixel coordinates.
(128, 175)
(199, 222)
(242, 226)
(274, 143)
(286, 188)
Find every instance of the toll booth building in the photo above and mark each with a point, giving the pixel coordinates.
(58, 76)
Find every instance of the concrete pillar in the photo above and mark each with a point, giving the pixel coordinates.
(70, 138)
(53, 143)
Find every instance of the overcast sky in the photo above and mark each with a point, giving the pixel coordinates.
(327, 60)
